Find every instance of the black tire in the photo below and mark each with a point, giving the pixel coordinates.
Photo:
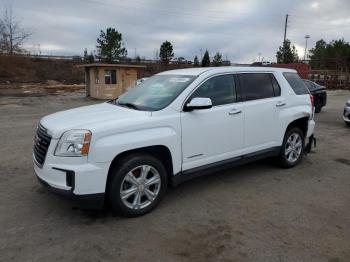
(119, 172)
(318, 107)
(348, 124)
(283, 159)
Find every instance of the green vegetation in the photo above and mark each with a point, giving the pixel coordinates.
(166, 52)
(88, 58)
(287, 54)
(206, 59)
(217, 60)
(109, 46)
(195, 61)
(332, 55)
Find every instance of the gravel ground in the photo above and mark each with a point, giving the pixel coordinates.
(256, 212)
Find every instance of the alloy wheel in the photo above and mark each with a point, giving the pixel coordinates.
(140, 187)
(293, 148)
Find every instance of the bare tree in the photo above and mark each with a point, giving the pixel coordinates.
(12, 35)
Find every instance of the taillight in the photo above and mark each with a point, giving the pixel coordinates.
(312, 100)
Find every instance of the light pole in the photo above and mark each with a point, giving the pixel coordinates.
(306, 38)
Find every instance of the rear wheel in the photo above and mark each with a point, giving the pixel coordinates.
(292, 148)
(139, 182)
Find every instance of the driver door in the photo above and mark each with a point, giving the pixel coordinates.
(214, 134)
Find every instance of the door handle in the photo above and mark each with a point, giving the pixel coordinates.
(280, 103)
(235, 112)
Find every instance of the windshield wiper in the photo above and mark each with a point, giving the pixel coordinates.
(129, 105)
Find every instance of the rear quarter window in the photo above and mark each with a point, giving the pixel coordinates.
(296, 83)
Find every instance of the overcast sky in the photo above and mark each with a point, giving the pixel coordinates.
(240, 30)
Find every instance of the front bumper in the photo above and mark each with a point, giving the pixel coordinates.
(74, 178)
(90, 201)
(346, 114)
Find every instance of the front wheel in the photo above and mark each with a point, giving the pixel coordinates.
(138, 184)
(292, 148)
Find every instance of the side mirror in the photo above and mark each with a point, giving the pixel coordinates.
(198, 103)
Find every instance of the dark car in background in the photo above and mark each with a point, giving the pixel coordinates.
(346, 114)
(319, 93)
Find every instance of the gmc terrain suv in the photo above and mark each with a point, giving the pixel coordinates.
(172, 127)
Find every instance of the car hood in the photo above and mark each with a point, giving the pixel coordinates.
(88, 117)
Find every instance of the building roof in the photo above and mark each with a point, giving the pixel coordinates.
(111, 65)
(223, 69)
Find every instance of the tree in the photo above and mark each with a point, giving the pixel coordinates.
(88, 58)
(12, 35)
(318, 55)
(110, 47)
(138, 59)
(287, 54)
(217, 60)
(85, 54)
(166, 52)
(206, 59)
(334, 55)
(195, 61)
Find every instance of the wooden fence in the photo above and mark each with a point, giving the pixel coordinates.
(331, 79)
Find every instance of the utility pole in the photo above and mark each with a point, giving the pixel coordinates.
(285, 28)
(306, 38)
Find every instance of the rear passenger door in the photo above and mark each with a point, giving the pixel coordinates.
(262, 103)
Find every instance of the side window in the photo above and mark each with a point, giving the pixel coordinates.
(220, 89)
(110, 77)
(276, 86)
(296, 83)
(257, 85)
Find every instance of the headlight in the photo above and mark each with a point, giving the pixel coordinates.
(74, 143)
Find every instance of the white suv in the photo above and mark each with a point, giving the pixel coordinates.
(172, 127)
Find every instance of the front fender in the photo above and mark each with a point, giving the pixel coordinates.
(106, 148)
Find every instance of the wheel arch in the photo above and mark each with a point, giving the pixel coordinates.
(161, 152)
(301, 123)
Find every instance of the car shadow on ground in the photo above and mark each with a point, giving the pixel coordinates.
(202, 183)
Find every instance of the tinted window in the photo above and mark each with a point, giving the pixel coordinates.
(276, 86)
(220, 89)
(257, 86)
(296, 83)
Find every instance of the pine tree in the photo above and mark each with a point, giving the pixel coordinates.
(206, 59)
(287, 54)
(195, 61)
(109, 45)
(217, 60)
(166, 52)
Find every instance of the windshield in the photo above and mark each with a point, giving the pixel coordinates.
(155, 93)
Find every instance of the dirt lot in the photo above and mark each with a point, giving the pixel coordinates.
(257, 212)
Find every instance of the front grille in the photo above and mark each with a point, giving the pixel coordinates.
(41, 144)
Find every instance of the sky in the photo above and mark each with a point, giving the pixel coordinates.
(242, 31)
